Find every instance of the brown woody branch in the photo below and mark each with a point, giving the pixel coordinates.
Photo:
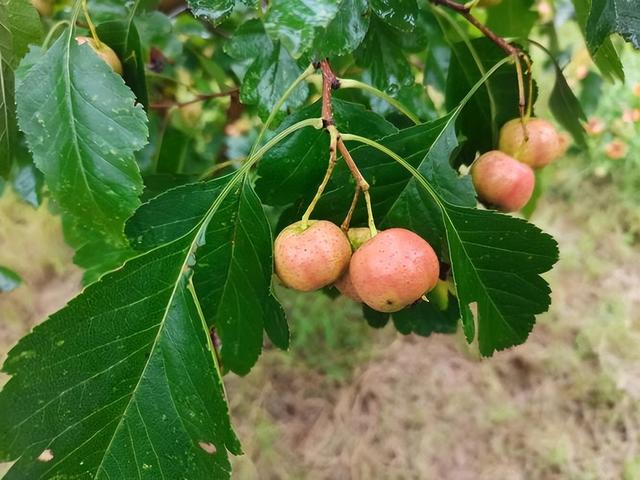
(200, 98)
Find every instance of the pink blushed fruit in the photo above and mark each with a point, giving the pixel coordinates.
(540, 149)
(393, 270)
(307, 259)
(502, 181)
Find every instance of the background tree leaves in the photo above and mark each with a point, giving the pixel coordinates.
(214, 10)
(613, 16)
(295, 22)
(512, 19)
(271, 69)
(82, 126)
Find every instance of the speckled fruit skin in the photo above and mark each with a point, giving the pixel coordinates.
(543, 145)
(310, 259)
(105, 52)
(394, 269)
(502, 181)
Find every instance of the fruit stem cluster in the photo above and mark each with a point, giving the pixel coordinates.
(331, 82)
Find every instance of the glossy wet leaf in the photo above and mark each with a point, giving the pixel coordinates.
(400, 14)
(213, 10)
(83, 126)
(345, 31)
(295, 22)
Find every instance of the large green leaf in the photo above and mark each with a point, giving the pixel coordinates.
(271, 72)
(294, 168)
(512, 18)
(122, 36)
(345, 32)
(83, 126)
(605, 56)
(566, 108)
(437, 56)
(130, 360)
(400, 14)
(214, 10)
(296, 22)
(233, 263)
(613, 16)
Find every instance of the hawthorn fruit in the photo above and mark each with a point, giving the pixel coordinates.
(502, 181)
(393, 270)
(542, 147)
(104, 51)
(357, 237)
(310, 258)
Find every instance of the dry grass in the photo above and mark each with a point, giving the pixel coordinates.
(566, 405)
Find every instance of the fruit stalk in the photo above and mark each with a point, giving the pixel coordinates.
(509, 49)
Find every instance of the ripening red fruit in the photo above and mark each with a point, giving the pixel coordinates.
(394, 269)
(311, 258)
(539, 150)
(502, 181)
(104, 51)
(357, 237)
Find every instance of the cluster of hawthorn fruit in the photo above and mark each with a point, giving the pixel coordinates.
(394, 268)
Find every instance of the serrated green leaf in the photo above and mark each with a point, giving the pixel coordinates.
(605, 57)
(233, 272)
(7, 116)
(512, 18)
(294, 168)
(128, 361)
(400, 14)
(123, 37)
(345, 32)
(613, 16)
(270, 73)
(9, 280)
(374, 318)
(381, 53)
(82, 126)
(295, 22)
(213, 10)
(496, 262)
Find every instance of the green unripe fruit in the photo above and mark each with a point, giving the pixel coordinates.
(502, 181)
(310, 258)
(393, 270)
